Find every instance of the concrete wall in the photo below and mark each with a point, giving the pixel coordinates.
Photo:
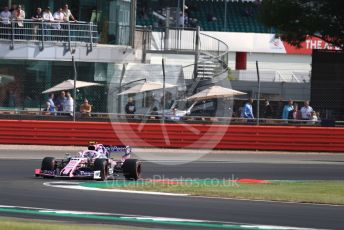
(60, 52)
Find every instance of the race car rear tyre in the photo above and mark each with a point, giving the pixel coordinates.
(48, 163)
(131, 169)
(102, 166)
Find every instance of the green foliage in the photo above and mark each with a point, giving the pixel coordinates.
(295, 19)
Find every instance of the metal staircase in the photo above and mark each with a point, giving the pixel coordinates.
(211, 54)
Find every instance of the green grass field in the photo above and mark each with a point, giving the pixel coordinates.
(22, 224)
(322, 192)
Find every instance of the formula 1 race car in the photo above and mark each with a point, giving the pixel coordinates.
(93, 163)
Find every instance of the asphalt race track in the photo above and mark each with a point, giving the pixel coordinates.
(20, 188)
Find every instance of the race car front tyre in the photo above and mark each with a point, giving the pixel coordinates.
(102, 166)
(48, 164)
(131, 169)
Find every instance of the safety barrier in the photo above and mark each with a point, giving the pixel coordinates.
(206, 136)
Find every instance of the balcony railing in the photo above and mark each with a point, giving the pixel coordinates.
(46, 31)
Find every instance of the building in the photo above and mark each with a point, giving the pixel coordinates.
(39, 55)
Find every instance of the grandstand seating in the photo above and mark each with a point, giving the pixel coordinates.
(238, 20)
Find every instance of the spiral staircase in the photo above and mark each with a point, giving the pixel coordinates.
(211, 54)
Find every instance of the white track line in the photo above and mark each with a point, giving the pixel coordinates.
(73, 186)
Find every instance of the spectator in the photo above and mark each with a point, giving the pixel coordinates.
(58, 17)
(68, 105)
(318, 116)
(19, 15)
(247, 111)
(86, 108)
(186, 20)
(60, 101)
(47, 16)
(295, 113)
(67, 14)
(50, 105)
(286, 109)
(181, 20)
(5, 17)
(268, 111)
(306, 111)
(38, 16)
(313, 117)
(130, 107)
(51, 102)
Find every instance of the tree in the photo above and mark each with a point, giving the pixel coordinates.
(295, 19)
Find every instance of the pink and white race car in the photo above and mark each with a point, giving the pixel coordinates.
(93, 163)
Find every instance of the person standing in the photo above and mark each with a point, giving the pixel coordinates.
(51, 103)
(68, 105)
(19, 15)
(47, 18)
(130, 107)
(268, 111)
(248, 110)
(314, 118)
(60, 101)
(306, 111)
(5, 17)
(295, 113)
(286, 109)
(67, 14)
(37, 17)
(58, 17)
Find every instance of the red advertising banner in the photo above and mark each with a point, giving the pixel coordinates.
(308, 46)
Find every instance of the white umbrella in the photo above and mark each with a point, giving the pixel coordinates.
(215, 92)
(69, 84)
(6, 78)
(146, 86)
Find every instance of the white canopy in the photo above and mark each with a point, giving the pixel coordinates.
(146, 86)
(69, 84)
(215, 92)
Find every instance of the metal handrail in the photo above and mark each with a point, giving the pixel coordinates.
(48, 31)
(220, 57)
(158, 118)
(219, 42)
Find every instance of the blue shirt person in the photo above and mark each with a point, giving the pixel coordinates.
(60, 101)
(287, 108)
(51, 103)
(247, 110)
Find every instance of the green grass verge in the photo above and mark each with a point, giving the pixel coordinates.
(322, 192)
(23, 224)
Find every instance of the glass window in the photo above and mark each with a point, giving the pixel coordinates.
(22, 83)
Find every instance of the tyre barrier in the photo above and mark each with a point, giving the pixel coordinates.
(202, 136)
